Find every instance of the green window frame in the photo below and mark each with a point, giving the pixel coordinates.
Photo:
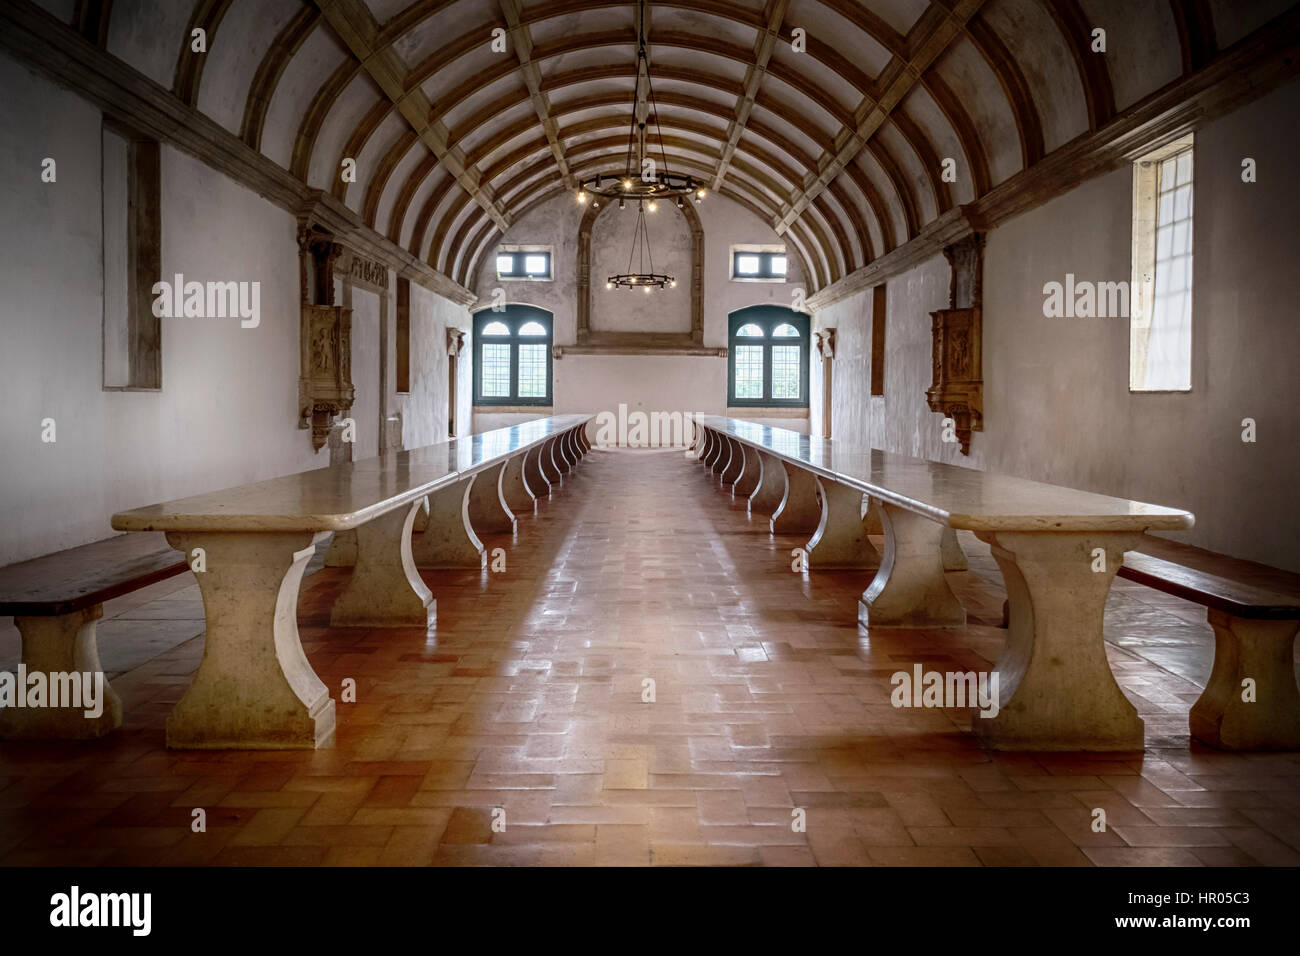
(508, 357)
(767, 358)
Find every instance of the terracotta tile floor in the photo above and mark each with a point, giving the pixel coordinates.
(527, 700)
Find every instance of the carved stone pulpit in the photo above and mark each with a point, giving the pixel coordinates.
(957, 387)
(325, 387)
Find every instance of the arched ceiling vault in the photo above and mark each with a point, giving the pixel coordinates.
(833, 120)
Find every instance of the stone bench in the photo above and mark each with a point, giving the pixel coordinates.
(255, 688)
(1254, 641)
(1058, 549)
(56, 601)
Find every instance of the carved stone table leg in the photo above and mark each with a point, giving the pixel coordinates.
(874, 523)
(717, 458)
(343, 550)
(1056, 688)
(799, 512)
(750, 472)
(63, 644)
(840, 540)
(537, 482)
(563, 458)
(488, 511)
(769, 494)
(706, 445)
(1261, 651)
(254, 689)
(449, 540)
(910, 590)
(735, 464)
(723, 461)
(385, 590)
(550, 468)
(954, 558)
(514, 487)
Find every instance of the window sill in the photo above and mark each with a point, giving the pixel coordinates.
(512, 409)
(768, 411)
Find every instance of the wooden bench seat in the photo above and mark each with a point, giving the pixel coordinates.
(1058, 549)
(255, 688)
(1251, 701)
(56, 601)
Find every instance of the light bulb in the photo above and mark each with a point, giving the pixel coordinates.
(582, 196)
(609, 285)
(673, 284)
(647, 290)
(652, 205)
(627, 184)
(699, 193)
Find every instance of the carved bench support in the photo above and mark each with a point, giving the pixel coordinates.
(62, 644)
(562, 454)
(1262, 651)
(840, 540)
(254, 689)
(449, 540)
(770, 492)
(514, 487)
(385, 590)
(1057, 691)
(750, 473)
(488, 511)
(910, 590)
(799, 511)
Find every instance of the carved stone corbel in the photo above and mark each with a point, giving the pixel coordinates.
(455, 341)
(826, 343)
(957, 389)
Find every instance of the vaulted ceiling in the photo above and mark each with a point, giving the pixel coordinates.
(840, 146)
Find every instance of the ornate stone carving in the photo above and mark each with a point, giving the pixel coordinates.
(957, 387)
(826, 343)
(455, 341)
(325, 387)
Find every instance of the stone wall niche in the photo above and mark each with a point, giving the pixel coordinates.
(957, 389)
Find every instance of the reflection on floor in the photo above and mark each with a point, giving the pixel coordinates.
(528, 698)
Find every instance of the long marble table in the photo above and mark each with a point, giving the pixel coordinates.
(250, 545)
(1058, 549)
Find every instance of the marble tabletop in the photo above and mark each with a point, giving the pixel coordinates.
(340, 497)
(959, 497)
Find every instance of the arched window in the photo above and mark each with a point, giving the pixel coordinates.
(768, 358)
(512, 357)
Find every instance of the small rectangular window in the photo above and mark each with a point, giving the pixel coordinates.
(526, 263)
(758, 264)
(1160, 317)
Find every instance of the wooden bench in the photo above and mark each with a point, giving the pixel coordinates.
(1058, 549)
(255, 688)
(1251, 701)
(56, 601)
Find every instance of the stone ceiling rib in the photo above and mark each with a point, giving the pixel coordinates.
(352, 21)
(902, 74)
(773, 15)
(522, 41)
